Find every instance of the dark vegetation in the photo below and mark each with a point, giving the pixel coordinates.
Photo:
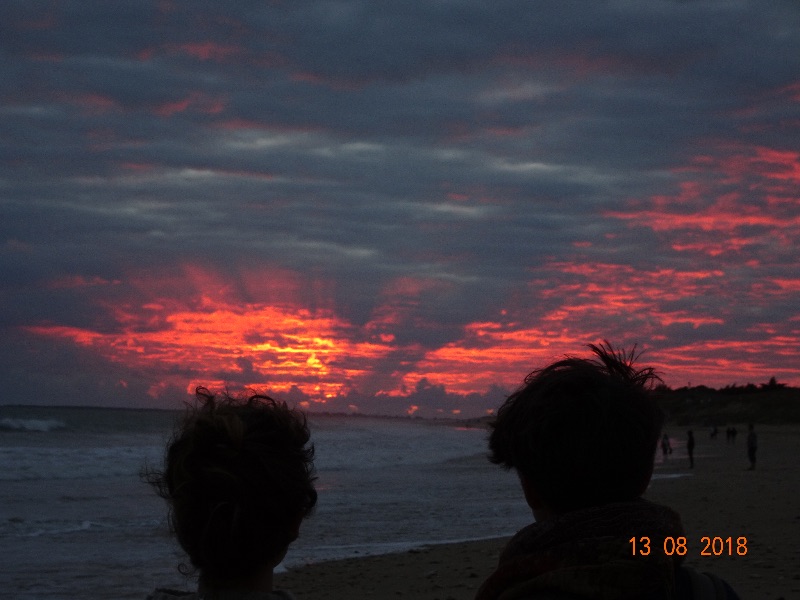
(768, 403)
(771, 402)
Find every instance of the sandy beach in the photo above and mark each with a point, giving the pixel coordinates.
(718, 498)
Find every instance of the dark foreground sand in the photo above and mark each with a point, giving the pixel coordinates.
(720, 498)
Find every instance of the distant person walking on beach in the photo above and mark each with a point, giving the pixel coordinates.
(594, 535)
(666, 446)
(239, 480)
(690, 448)
(752, 446)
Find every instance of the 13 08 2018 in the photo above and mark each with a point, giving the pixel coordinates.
(708, 546)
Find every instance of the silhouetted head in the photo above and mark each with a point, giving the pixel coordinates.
(581, 432)
(238, 478)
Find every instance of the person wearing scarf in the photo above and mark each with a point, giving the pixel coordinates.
(582, 436)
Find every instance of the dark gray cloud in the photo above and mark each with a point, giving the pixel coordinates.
(563, 170)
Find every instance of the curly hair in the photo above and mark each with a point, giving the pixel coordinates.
(238, 478)
(582, 431)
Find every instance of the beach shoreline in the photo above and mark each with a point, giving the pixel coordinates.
(718, 498)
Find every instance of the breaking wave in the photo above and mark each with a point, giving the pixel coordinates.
(40, 425)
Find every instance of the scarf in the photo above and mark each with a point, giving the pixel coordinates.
(587, 553)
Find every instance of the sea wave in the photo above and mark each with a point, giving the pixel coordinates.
(39, 425)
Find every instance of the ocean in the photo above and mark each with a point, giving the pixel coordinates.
(76, 520)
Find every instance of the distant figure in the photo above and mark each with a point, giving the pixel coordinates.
(752, 446)
(587, 504)
(690, 448)
(666, 446)
(733, 435)
(728, 435)
(238, 478)
(714, 431)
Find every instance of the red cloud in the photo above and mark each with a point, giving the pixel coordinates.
(751, 202)
(196, 101)
(195, 326)
(196, 322)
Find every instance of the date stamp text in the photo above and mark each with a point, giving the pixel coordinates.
(709, 546)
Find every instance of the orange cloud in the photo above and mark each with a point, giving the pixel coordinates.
(592, 301)
(255, 343)
(752, 202)
(195, 324)
(197, 327)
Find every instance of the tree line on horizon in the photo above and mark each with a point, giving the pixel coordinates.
(770, 402)
(748, 388)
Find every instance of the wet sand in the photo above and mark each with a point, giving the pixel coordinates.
(718, 498)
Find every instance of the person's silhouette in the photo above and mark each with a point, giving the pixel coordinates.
(582, 435)
(238, 478)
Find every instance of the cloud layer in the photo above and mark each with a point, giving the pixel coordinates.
(394, 205)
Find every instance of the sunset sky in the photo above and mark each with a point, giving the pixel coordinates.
(393, 207)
